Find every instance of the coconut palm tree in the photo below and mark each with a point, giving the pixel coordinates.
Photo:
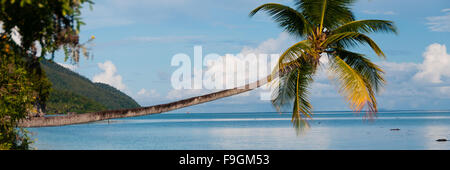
(327, 28)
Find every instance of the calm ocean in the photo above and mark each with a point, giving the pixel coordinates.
(265, 131)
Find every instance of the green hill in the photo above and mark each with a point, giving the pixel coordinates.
(72, 92)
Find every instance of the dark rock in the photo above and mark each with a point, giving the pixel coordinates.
(442, 140)
(396, 129)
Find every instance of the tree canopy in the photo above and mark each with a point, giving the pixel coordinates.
(29, 26)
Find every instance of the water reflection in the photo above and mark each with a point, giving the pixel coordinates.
(270, 138)
(329, 130)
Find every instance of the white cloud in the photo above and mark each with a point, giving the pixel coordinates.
(436, 64)
(423, 85)
(142, 92)
(148, 97)
(229, 76)
(145, 93)
(440, 23)
(69, 66)
(109, 76)
(255, 59)
(277, 45)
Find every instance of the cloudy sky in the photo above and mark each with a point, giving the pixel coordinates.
(136, 40)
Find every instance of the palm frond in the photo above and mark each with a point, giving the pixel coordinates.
(291, 20)
(292, 56)
(352, 39)
(337, 12)
(300, 124)
(352, 85)
(324, 9)
(282, 95)
(367, 26)
(370, 71)
(372, 74)
(292, 90)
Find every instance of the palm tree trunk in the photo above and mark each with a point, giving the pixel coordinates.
(112, 114)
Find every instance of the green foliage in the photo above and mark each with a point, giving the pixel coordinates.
(71, 89)
(16, 97)
(117, 99)
(367, 26)
(291, 20)
(66, 102)
(328, 13)
(54, 24)
(293, 90)
(51, 24)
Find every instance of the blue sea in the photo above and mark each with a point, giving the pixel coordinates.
(416, 130)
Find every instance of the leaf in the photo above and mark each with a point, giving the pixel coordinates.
(370, 71)
(292, 90)
(334, 12)
(290, 57)
(351, 84)
(367, 26)
(351, 39)
(289, 19)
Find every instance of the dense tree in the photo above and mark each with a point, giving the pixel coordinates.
(16, 97)
(28, 27)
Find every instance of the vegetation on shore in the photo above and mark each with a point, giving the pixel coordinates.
(46, 25)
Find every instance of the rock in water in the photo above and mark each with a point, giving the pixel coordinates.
(396, 129)
(442, 140)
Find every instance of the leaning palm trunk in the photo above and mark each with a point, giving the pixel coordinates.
(141, 111)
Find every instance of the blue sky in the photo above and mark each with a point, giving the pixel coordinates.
(136, 40)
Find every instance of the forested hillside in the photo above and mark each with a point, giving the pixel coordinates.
(72, 92)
